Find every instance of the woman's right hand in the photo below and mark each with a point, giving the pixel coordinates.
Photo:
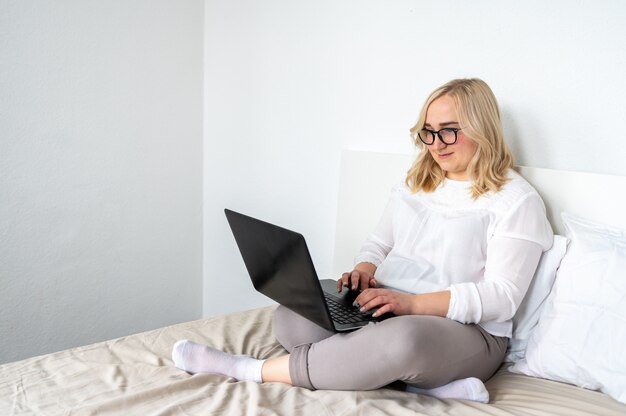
(356, 280)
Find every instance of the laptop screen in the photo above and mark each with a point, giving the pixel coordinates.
(280, 266)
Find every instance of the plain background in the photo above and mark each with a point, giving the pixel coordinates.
(290, 84)
(100, 170)
(127, 127)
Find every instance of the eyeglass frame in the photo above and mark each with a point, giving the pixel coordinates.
(433, 133)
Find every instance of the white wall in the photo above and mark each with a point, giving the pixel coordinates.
(101, 143)
(290, 84)
(100, 170)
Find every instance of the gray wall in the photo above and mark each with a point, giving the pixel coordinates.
(291, 83)
(100, 170)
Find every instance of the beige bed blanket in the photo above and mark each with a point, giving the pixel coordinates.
(134, 375)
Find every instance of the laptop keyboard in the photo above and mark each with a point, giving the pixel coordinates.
(344, 314)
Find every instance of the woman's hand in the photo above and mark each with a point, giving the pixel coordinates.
(386, 301)
(356, 280)
(435, 303)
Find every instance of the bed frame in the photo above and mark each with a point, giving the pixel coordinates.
(135, 375)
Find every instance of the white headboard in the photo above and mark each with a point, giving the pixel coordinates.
(367, 178)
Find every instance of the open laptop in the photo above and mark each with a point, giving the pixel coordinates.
(280, 267)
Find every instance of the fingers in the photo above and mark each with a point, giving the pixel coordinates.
(356, 280)
(383, 310)
(372, 298)
(383, 299)
(340, 283)
(353, 280)
(372, 282)
(343, 281)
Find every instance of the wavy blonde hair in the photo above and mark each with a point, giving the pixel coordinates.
(479, 116)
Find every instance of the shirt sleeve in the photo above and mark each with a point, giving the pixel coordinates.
(513, 253)
(510, 266)
(527, 220)
(376, 247)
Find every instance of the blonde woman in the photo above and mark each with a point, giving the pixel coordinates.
(460, 239)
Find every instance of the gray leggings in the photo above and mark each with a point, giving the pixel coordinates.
(425, 351)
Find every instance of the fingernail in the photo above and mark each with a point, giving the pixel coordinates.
(375, 315)
(362, 309)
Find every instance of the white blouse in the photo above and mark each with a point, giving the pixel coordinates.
(485, 250)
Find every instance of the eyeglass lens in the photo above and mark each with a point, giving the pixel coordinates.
(448, 136)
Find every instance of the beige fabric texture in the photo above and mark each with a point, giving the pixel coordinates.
(134, 375)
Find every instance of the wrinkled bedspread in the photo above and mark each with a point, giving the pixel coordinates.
(134, 375)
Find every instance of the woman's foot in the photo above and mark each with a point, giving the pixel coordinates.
(197, 358)
(464, 389)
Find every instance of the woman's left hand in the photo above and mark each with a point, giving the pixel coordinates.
(386, 301)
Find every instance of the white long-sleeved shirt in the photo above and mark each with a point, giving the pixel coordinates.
(485, 250)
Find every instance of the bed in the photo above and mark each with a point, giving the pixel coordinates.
(135, 375)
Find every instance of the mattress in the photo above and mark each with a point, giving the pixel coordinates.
(135, 375)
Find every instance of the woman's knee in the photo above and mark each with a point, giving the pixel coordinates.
(411, 334)
(415, 351)
(291, 329)
(281, 322)
(432, 351)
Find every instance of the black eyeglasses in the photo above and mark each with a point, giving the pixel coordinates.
(447, 135)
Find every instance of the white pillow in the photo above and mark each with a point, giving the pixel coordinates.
(527, 314)
(581, 334)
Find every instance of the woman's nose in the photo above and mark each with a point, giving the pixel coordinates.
(438, 144)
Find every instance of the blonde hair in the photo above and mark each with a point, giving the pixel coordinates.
(479, 116)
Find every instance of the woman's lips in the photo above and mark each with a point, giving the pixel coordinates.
(444, 155)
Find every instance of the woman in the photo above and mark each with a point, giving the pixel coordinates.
(463, 235)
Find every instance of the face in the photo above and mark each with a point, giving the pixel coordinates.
(454, 158)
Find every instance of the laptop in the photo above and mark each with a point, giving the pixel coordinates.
(280, 267)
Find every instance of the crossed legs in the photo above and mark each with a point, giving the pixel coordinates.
(428, 353)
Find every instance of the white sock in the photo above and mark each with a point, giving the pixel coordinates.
(197, 358)
(465, 389)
